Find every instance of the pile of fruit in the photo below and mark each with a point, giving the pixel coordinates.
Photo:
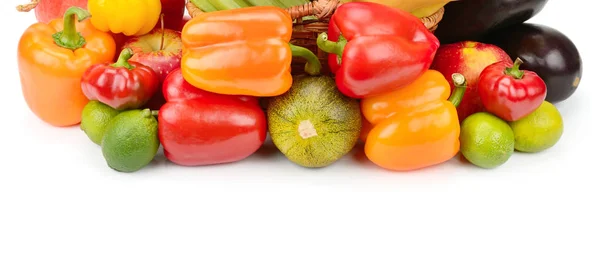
(135, 75)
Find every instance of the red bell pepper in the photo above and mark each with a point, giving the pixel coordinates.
(379, 48)
(333, 34)
(175, 87)
(196, 127)
(121, 85)
(510, 93)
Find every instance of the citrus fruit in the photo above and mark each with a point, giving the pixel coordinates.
(486, 140)
(131, 140)
(539, 130)
(94, 119)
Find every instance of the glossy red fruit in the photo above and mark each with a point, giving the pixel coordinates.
(468, 58)
(176, 87)
(197, 127)
(511, 93)
(122, 85)
(161, 51)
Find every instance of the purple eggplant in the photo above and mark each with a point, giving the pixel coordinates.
(471, 19)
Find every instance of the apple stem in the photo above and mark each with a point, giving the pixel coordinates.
(460, 86)
(155, 113)
(162, 26)
(28, 7)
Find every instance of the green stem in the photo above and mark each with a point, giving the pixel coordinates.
(329, 46)
(69, 37)
(514, 71)
(155, 113)
(313, 65)
(124, 57)
(460, 86)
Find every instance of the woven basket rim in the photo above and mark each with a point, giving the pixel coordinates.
(430, 21)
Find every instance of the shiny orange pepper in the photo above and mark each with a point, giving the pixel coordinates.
(417, 126)
(243, 51)
(52, 59)
(365, 129)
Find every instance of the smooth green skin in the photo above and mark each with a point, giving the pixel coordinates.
(486, 140)
(131, 140)
(539, 130)
(335, 117)
(94, 119)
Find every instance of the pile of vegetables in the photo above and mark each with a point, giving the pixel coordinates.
(408, 97)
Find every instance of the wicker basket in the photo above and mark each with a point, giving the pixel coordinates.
(305, 32)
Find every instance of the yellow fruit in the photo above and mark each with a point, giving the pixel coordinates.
(427, 11)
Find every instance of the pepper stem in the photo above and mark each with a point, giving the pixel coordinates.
(313, 65)
(69, 37)
(514, 71)
(332, 47)
(329, 46)
(124, 57)
(460, 86)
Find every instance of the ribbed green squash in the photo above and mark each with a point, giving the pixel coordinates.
(313, 124)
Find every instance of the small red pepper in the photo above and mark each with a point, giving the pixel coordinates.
(121, 85)
(196, 127)
(510, 93)
(375, 49)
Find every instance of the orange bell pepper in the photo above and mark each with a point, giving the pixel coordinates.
(243, 51)
(52, 59)
(365, 129)
(417, 126)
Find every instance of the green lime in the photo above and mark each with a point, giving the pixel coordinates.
(486, 140)
(131, 140)
(94, 119)
(539, 130)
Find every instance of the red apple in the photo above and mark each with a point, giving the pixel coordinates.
(46, 10)
(468, 58)
(162, 51)
(173, 11)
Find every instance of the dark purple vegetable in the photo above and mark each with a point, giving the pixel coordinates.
(471, 19)
(546, 51)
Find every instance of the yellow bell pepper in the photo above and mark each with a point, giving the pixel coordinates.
(131, 18)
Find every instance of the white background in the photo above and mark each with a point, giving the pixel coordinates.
(63, 212)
